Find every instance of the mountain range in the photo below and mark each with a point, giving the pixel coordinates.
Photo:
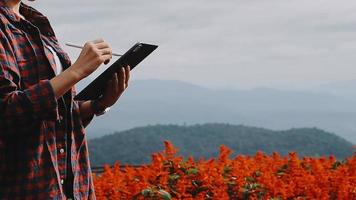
(150, 102)
(135, 146)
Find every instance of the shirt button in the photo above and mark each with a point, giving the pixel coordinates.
(62, 181)
(61, 150)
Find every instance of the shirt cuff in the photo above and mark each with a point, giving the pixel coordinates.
(43, 100)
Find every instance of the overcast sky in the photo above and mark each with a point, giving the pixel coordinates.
(289, 44)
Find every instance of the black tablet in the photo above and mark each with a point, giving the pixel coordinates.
(132, 57)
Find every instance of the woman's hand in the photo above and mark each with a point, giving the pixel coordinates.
(93, 54)
(91, 57)
(115, 87)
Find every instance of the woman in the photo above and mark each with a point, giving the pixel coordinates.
(43, 150)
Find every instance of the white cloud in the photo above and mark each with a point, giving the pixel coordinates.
(236, 43)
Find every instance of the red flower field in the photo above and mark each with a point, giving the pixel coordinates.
(244, 177)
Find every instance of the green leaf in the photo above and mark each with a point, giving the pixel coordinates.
(250, 179)
(164, 195)
(174, 177)
(336, 165)
(193, 171)
(227, 169)
(146, 192)
(258, 173)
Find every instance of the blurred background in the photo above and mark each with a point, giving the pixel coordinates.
(255, 75)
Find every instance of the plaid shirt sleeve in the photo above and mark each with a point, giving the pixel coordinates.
(85, 121)
(19, 108)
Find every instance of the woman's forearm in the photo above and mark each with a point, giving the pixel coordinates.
(64, 82)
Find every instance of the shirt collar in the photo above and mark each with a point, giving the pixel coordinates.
(8, 12)
(31, 14)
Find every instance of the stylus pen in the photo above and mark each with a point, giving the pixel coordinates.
(80, 47)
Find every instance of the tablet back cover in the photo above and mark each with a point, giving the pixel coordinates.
(132, 58)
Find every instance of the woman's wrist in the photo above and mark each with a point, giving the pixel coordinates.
(75, 73)
(64, 82)
(98, 107)
(85, 110)
(101, 104)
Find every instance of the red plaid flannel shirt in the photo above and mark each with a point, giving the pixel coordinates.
(43, 150)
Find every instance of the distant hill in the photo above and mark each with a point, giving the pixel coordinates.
(150, 102)
(345, 89)
(136, 145)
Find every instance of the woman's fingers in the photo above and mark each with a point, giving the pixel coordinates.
(102, 45)
(116, 86)
(127, 76)
(122, 78)
(110, 88)
(106, 62)
(105, 58)
(106, 51)
(99, 40)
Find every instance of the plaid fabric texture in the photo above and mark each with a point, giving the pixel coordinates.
(43, 150)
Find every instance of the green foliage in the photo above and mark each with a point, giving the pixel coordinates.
(154, 194)
(135, 146)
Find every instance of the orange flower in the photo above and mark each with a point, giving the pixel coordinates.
(244, 177)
